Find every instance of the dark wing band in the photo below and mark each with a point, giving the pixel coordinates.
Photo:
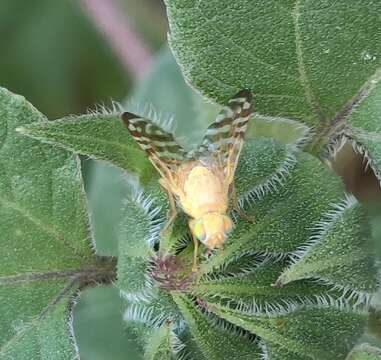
(224, 138)
(160, 146)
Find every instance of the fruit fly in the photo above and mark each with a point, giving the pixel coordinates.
(200, 181)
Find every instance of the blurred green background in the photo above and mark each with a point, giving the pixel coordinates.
(53, 53)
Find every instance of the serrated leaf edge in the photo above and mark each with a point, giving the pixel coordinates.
(261, 259)
(323, 225)
(361, 149)
(360, 298)
(153, 213)
(273, 183)
(146, 294)
(265, 352)
(151, 210)
(145, 315)
(220, 323)
(269, 307)
(175, 344)
(70, 322)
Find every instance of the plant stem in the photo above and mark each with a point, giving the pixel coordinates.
(109, 19)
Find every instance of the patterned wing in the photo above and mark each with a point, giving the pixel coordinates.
(161, 147)
(223, 139)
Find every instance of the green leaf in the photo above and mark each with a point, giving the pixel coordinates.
(316, 62)
(163, 344)
(250, 287)
(340, 253)
(35, 320)
(142, 315)
(214, 340)
(317, 332)
(364, 352)
(303, 60)
(102, 136)
(46, 246)
(273, 352)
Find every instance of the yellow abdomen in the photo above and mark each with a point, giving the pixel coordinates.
(203, 192)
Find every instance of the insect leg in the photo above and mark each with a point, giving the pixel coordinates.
(236, 207)
(172, 203)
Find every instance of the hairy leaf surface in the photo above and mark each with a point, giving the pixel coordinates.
(46, 246)
(317, 62)
(303, 60)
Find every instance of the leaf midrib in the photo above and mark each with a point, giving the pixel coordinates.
(304, 80)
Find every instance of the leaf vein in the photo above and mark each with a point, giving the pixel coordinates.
(310, 97)
(362, 94)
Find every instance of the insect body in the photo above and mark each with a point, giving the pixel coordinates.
(203, 196)
(200, 181)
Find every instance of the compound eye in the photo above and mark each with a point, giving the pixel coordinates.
(199, 231)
